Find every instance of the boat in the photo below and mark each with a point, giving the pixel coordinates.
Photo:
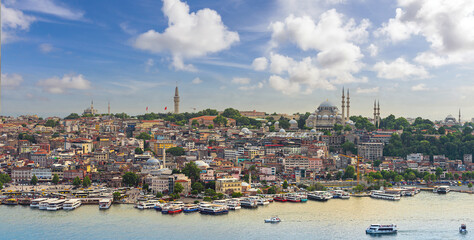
(36, 202)
(303, 197)
(462, 228)
(443, 189)
(340, 194)
(380, 194)
(55, 205)
(24, 201)
(381, 229)
(262, 201)
(233, 205)
(280, 199)
(171, 209)
(190, 208)
(147, 205)
(72, 204)
(320, 196)
(248, 203)
(213, 209)
(11, 202)
(159, 206)
(293, 198)
(105, 203)
(44, 204)
(273, 220)
(269, 199)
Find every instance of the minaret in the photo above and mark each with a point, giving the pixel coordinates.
(375, 113)
(92, 106)
(348, 105)
(459, 116)
(378, 113)
(176, 100)
(109, 108)
(343, 102)
(164, 156)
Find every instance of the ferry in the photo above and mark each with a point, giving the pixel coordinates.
(105, 203)
(462, 228)
(214, 209)
(24, 201)
(159, 206)
(171, 209)
(147, 205)
(11, 202)
(44, 204)
(262, 201)
(248, 203)
(55, 205)
(340, 194)
(36, 202)
(273, 220)
(379, 194)
(381, 229)
(293, 198)
(303, 197)
(443, 189)
(280, 199)
(234, 205)
(190, 208)
(72, 204)
(320, 196)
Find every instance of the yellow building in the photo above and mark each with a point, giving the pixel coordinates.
(228, 185)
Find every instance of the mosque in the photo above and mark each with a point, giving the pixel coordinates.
(327, 115)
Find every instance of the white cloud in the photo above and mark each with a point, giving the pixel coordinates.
(48, 7)
(285, 86)
(419, 87)
(189, 35)
(12, 20)
(399, 69)
(125, 28)
(367, 90)
(446, 25)
(373, 50)
(243, 81)
(61, 85)
(251, 87)
(149, 64)
(11, 80)
(46, 47)
(260, 64)
(197, 81)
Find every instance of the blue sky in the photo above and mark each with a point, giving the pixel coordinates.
(414, 56)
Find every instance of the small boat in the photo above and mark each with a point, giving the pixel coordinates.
(303, 197)
(11, 202)
(105, 203)
(462, 228)
(159, 206)
(72, 204)
(340, 194)
(320, 196)
(24, 201)
(248, 203)
(147, 205)
(293, 198)
(213, 209)
(443, 189)
(234, 205)
(279, 199)
(381, 229)
(190, 208)
(171, 209)
(273, 220)
(262, 201)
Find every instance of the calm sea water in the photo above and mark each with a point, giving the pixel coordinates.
(425, 216)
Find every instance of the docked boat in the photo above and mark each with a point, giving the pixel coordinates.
(55, 205)
(320, 196)
(105, 203)
(262, 201)
(279, 199)
(147, 205)
(190, 208)
(233, 205)
(10, 201)
(303, 197)
(462, 228)
(171, 209)
(44, 204)
(72, 204)
(379, 194)
(248, 203)
(340, 194)
(24, 201)
(443, 189)
(381, 229)
(293, 198)
(159, 206)
(213, 209)
(273, 220)
(36, 202)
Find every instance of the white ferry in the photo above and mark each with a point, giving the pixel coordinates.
(72, 204)
(321, 196)
(44, 204)
(443, 189)
(105, 203)
(379, 194)
(248, 203)
(213, 209)
(147, 205)
(381, 229)
(262, 201)
(36, 202)
(234, 204)
(56, 205)
(340, 194)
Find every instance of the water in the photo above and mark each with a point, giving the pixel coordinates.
(425, 216)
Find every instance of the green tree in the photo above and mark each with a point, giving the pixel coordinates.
(55, 179)
(359, 188)
(195, 123)
(192, 171)
(159, 195)
(207, 199)
(347, 128)
(220, 121)
(349, 147)
(338, 127)
(210, 126)
(469, 185)
(73, 116)
(116, 196)
(398, 178)
(144, 136)
(231, 113)
(349, 172)
(285, 184)
(130, 179)
(272, 190)
(328, 176)
(51, 123)
(178, 188)
(34, 180)
(197, 186)
(86, 182)
(175, 151)
(1, 185)
(236, 194)
(5, 178)
(76, 182)
(138, 150)
(438, 172)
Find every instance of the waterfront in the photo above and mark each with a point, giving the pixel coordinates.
(425, 216)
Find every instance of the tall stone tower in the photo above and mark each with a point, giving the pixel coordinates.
(378, 113)
(176, 101)
(348, 105)
(343, 104)
(375, 113)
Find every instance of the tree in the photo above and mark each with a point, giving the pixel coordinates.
(272, 190)
(117, 196)
(76, 182)
(138, 150)
(207, 199)
(285, 184)
(349, 147)
(210, 126)
(55, 179)
(220, 121)
(34, 180)
(159, 195)
(51, 123)
(178, 188)
(398, 178)
(236, 194)
(130, 179)
(338, 127)
(73, 116)
(144, 136)
(197, 186)
(469, 185)
(5, 178)
(359, 188)
(349, 172)
(347, 128)
(192, 171)
(1, 185)
(195, 123)
(86, 182)
(439, 171)
(175, 151)
(328, 176)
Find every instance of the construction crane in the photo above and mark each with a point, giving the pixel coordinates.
(357, 165)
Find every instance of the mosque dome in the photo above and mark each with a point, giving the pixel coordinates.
(276, 123)
(152, 161)
(338, 117)
(325, 117)
(293, 121)
(313, 130)
(332, 116)
(201, 163)
(327, 104)
(282, 130)
(319, 116)
(269, 123)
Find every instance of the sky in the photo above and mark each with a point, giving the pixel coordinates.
(413, 56)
